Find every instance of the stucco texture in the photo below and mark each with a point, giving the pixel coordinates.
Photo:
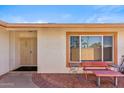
(52, 47)
(4, 51)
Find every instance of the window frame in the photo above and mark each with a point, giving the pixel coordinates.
(102, 44)
(102, 34)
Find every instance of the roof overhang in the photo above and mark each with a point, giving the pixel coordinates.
(58, 25)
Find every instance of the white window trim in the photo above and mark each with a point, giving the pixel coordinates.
(102, 47)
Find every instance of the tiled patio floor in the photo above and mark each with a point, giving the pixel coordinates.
(34, 80)
(72, 81)
(17, 80)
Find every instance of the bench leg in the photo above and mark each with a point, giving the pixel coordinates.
(116, 81)
(98, 81)
(86, 75)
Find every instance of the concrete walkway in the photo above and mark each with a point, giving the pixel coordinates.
(17, 80)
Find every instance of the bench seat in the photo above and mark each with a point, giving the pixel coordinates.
(94, 66)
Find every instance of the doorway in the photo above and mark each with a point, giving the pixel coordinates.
(28, 54)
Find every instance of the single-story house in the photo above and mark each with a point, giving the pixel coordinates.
(52, 47)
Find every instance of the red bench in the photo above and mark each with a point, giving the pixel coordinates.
(94, 66)
(100, 74)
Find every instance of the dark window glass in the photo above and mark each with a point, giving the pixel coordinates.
(74, 48)
(107, 48)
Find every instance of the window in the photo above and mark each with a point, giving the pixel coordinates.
(74, 47)
(91, 48)
(107, 48)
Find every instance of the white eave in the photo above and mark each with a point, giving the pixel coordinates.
(58, 25)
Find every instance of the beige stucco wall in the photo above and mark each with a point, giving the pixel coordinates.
(4, 51)
(52, 47)
(120, 45)
(51, 51)
(14, 50)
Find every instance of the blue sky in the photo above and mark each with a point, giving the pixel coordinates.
(62, 14)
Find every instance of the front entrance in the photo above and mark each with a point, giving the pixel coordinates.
(28, 51)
